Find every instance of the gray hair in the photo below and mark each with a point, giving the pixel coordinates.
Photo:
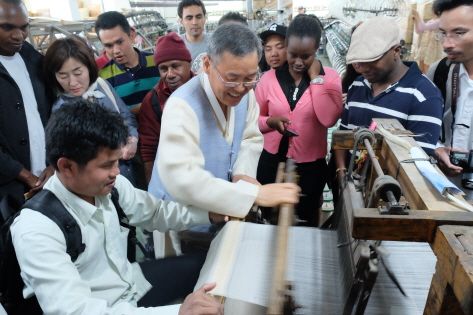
(237, 39)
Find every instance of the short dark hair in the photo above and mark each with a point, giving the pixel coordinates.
(188, 3)
(232, 16)
(112, 19)
(60, 51)
(439, 6)
(80, 128)
(304, 25)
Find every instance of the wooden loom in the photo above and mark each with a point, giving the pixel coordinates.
(340, 274)
(430, 219)
(348, 251)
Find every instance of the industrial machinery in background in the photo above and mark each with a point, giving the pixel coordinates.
(149, 26)
(337, 34)
(369, 8)
(44, 31)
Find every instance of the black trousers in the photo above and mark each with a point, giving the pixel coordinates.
(312, 179)
(172, 278)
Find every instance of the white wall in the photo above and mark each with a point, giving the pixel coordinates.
(59, 9)
(69, 9)
(319, 7)
(115, 5)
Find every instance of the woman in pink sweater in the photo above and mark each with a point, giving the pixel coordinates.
(298, 102)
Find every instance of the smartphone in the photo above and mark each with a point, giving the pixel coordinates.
(290, 133)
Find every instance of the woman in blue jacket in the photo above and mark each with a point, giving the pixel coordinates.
(71, 70)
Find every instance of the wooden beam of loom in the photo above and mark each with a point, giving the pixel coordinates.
(343, 140)
(417, 226)
(285, 220)
(419, 193)
(451, 291)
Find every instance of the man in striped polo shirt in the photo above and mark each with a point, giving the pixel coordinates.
(130, 71)
(389, 87)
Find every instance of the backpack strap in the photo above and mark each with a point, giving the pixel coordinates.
(441, 75)
(440, 80)
(121, 214)
(48, 204)
(8, 207)
(155, 105)
(132, 241)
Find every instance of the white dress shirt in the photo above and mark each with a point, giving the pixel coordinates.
(463, 127)
(181, 162)
(101, 280)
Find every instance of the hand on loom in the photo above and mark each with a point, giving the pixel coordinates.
(272, 195)
(199, 302)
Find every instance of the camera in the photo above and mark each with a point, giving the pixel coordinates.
(465, 161)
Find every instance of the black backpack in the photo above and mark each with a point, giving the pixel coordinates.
(440, 80)
(155, 105)
(11, 284)
(441, 75)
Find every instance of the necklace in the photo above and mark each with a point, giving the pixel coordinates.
(294, 96)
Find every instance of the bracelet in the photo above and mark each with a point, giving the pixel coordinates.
(340, 169)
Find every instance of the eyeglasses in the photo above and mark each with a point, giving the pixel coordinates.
(454, 36)
(248, 84)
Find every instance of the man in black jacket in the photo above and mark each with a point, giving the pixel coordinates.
(24, 106)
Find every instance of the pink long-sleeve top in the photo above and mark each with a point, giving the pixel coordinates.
(318, 109)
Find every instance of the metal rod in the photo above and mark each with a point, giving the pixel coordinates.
(376, 166)
(391, 197)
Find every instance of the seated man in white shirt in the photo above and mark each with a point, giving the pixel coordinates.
(210, 142)
(84, 143)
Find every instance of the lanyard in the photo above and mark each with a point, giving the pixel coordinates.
(455, 90)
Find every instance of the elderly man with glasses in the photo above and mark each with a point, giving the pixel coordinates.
(210, 141)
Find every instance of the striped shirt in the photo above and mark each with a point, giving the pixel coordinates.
(414, 100)
(132, 84)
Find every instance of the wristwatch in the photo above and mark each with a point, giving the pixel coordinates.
(317, 80)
